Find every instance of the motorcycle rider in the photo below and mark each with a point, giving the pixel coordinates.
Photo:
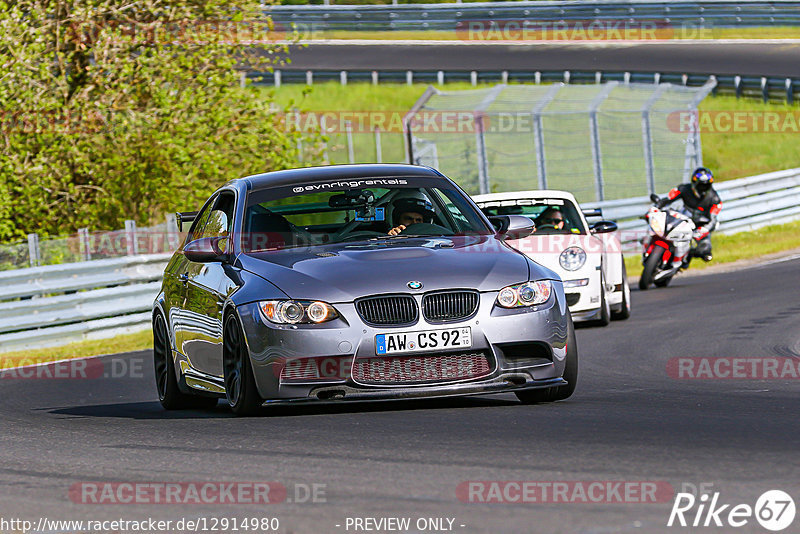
(703, 205)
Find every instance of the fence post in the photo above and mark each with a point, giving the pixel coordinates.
(173, 237)
(484, 184)
(647, 139)
(409, 77)
(374, 77)
(483, 163)
(789, 91)
(594, 134)
(764, 89)
(309, 77)
(348, 127)
(378, 151)
(131, 238)
(83, 239)
(538, 133)
(33, 250)
(343, 77)
(277, 81)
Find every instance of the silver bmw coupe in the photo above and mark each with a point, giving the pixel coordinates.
(352, 283)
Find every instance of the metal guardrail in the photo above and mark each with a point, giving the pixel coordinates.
(415, 17)
(58, 304)
(763, 87)
(747, 204)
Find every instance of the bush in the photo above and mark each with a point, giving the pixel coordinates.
(115, 110)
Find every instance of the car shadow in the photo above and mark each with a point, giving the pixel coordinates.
(153, 410)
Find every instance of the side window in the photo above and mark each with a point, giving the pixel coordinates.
(196, 231)
(220, 221)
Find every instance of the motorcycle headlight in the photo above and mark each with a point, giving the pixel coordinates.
(526, 294)
(572, 258)
(658, 222)
(297, 311)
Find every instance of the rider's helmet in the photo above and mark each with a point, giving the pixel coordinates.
(702, 179)
(412, 201)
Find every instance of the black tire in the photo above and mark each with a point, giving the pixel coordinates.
(664, 282)
(240, 385)
(534, 396)
(625, 307)
(650, 266)
(605, 307)
(169, 393)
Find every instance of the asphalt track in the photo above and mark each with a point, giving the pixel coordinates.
(628, 421)
(703, 57)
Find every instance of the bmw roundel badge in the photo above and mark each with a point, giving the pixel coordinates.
(414, 284)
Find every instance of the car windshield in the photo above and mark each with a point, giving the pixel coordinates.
(358, 210)
(547, 213)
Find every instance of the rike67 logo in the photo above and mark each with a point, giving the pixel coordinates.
(774, 510)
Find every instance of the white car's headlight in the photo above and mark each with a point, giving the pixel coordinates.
(572, 258)
(527, 294)
(297, 311)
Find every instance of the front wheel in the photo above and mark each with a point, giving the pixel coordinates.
(169, 393)
(240, 385)
(534, 396)
(650, 265)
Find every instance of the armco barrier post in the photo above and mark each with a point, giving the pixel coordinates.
(33, 250)
(173, 238)
(351, 157)
(83, 238)
(378, 150)
(130, 238)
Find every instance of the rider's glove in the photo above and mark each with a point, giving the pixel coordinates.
(700, 233)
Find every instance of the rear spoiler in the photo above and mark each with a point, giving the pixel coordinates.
(592, 212)
(185, 217)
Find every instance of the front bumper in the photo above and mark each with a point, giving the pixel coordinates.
(496, 332)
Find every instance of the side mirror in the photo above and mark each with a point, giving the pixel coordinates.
(206, 249)
(604, 227)
(654, 198)
(513, 226)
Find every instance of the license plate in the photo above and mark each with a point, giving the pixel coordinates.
(428, 340)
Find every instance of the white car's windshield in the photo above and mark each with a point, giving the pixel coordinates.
(551, 215)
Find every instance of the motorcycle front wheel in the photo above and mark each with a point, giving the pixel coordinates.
(650, 266)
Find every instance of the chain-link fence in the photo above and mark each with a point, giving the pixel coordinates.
(601, 142)
(85, 245)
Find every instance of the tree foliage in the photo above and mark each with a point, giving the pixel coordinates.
(115, 110)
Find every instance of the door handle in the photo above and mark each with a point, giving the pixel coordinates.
(184, 278)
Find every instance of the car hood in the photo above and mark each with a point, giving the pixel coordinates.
(346, 271)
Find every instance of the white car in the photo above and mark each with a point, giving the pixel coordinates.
(587, 257)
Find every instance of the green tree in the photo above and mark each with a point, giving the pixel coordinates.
(114, 110)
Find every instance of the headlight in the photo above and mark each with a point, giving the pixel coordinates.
(658, 222)
(527, 294)
(297, 311)
(572, 258)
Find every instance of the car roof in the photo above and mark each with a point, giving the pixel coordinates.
(334, 172)
(515, 195)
